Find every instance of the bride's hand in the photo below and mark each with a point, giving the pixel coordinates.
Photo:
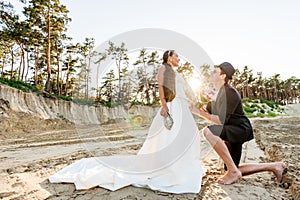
(191, 105)
(194, 109)
(164, 111)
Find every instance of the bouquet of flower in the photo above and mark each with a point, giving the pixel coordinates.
(209, 95)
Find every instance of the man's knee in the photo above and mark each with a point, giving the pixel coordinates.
(210, 137)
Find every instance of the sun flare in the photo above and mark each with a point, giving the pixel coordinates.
(194, 84)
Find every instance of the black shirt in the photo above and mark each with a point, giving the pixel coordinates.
(236, 127)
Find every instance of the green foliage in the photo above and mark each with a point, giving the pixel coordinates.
(248, 109)
(269, 103)
(256, 101)
(245, 100)
(83, 101)
(261, 115)
(255, 106)
(261, 108)
(250, 115)
(18, 84)
(44, 24)
(26, 87)
(66, 98)
(110, 104)
(271, 114)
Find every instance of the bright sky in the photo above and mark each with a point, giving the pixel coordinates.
(262, 34)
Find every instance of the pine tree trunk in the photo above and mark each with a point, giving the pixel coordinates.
(27, 58)
(36, 66)
(47, 86)
(2, 67)
(23, 69)
(12, 64)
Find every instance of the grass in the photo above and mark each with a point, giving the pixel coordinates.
(261, 108)
(27, 87)
(20, 85)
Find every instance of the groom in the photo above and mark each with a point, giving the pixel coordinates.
(231, 128)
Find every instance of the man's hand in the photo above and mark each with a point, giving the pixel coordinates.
(194, 109)
(202, 111)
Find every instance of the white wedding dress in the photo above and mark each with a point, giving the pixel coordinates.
(168, 161)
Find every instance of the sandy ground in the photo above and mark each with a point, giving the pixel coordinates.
(31, 152)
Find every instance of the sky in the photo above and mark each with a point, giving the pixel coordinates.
(261, 34)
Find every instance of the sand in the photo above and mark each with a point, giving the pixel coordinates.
(30, 156)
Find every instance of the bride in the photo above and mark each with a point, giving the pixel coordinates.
(169, 160)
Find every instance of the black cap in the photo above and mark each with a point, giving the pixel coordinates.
(228, 69)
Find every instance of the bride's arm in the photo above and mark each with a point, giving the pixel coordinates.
(160, 79)
(206, 115)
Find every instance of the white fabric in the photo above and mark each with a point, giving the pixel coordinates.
(168, 161)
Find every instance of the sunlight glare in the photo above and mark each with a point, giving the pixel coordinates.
(194, 84)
